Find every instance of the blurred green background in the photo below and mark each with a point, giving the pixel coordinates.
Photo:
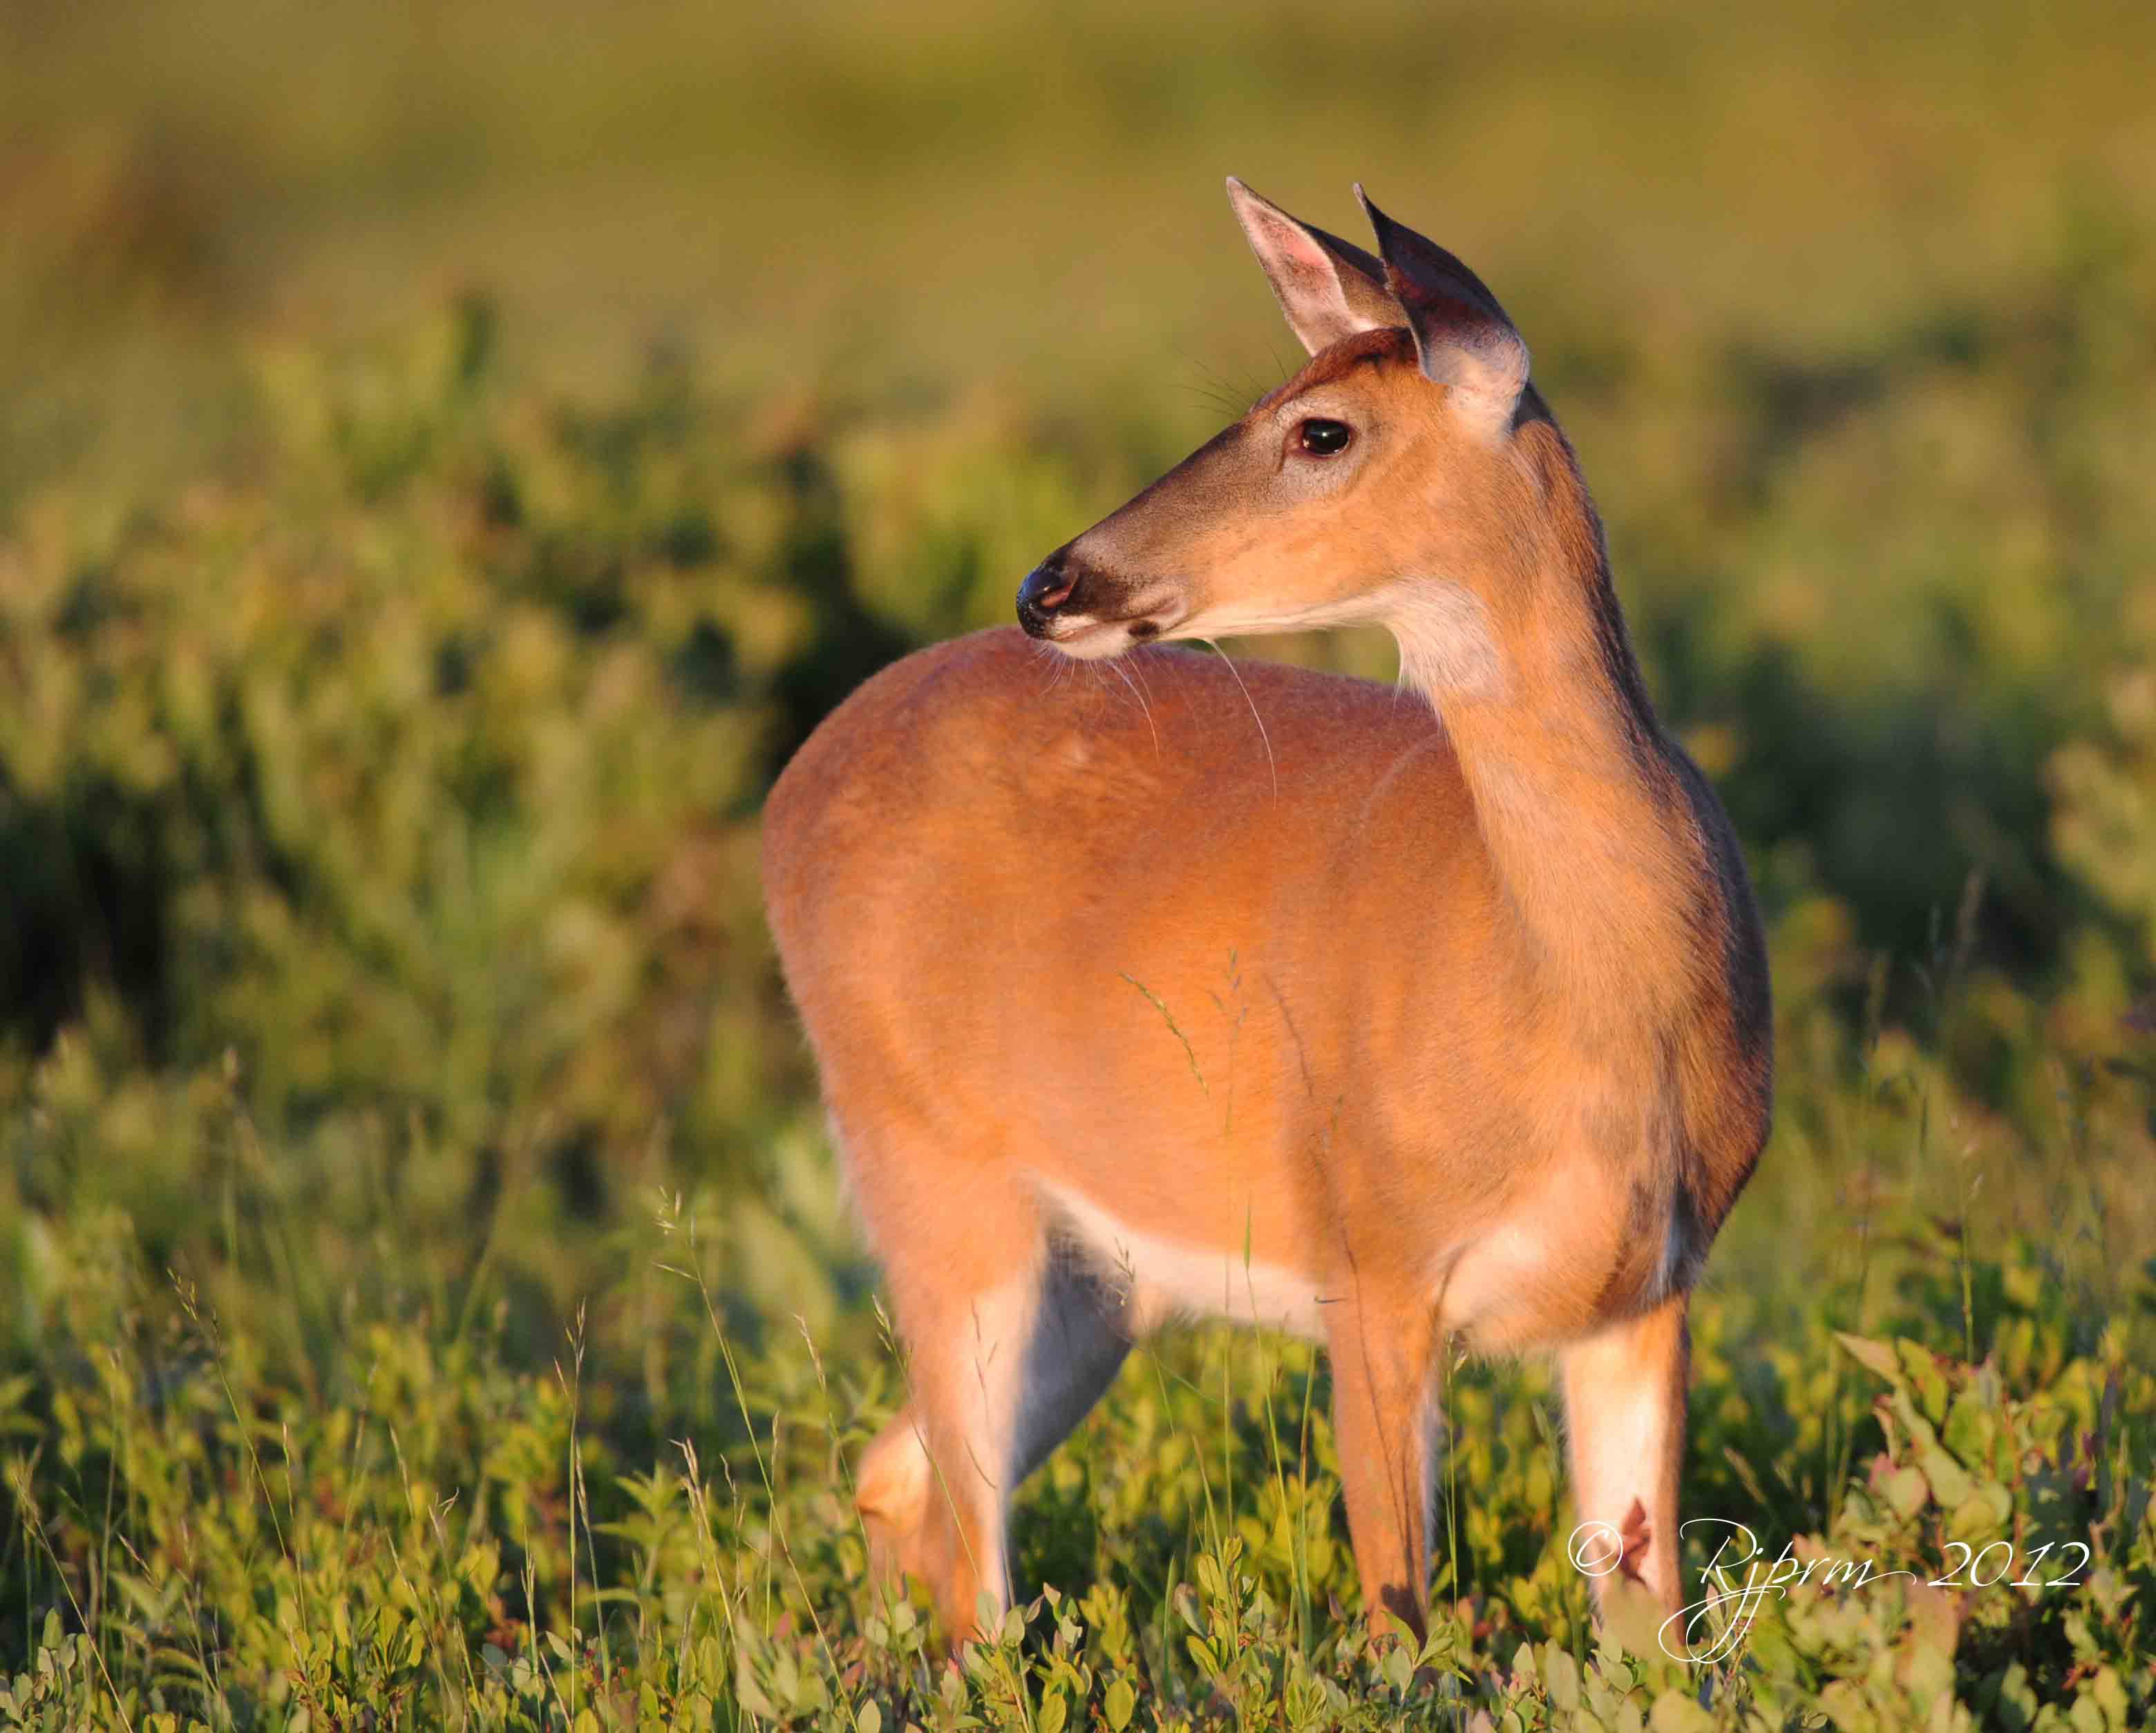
(450, 455)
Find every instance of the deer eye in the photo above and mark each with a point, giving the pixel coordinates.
(1323, 439)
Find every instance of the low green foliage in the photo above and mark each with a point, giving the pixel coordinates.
(436, 1536)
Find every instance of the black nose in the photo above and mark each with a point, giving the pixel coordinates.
(1047, 587)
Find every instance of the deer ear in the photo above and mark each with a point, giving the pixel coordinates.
(1465, 341)
(1329, 288)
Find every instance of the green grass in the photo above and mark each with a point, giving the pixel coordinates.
(447, 460)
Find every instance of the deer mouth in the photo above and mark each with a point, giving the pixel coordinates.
(1090, 638)
(1088, 615)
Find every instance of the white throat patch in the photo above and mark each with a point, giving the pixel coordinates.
(1448, 646)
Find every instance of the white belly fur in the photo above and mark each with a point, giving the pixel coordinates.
(1159, 1278)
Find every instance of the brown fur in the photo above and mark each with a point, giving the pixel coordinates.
(1460, 1025)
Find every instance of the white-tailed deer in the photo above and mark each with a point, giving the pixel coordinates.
(1381, 1020)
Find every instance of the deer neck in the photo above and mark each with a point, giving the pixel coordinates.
(1576, 790)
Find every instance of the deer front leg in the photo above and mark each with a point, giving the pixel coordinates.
(1384, 1367)
(1624, 1410)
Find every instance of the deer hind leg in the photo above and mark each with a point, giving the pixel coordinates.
(1011, 1342)
(1384, 1419)
(1624, 1413)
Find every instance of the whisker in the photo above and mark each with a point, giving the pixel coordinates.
(1271, 763)
(1058, 666)
(1286, 372)
(1144, 708)
(1136, 659)
(1214, 398)
(1217, 389)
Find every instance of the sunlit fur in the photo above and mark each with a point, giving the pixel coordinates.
(1387, 1018)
